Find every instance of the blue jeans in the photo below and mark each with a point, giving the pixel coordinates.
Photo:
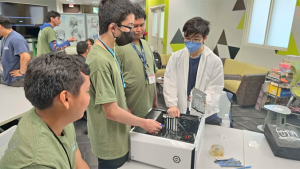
(213, 119)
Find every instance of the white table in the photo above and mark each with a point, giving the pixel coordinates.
(233, 148)
(263, 157)
(13, 103)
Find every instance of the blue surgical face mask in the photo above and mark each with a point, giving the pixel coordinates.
(192, 46)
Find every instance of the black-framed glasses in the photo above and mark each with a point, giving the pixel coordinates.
(129, 27)
(193, 40)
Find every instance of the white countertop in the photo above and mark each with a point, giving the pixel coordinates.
(13, 103)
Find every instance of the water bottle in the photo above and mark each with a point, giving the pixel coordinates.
(225, 126)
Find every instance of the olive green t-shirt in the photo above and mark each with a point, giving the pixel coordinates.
(139, 95)
(33, 145)
(109, 139)
(45, 36)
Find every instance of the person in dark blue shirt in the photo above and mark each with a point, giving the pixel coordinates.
(14, 55)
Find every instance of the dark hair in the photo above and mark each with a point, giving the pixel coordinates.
(90, 40)
(48, 75)
(5, 22)
(113, 11)
(81, 47)
(196, 25)
(139, 12)
(52, 14)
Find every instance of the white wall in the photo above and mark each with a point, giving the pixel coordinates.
(228, 20)
(179, 13)
(267, 57)
(59, 6)
(50, 3)
(222, 17)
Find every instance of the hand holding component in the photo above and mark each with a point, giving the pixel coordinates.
(151, 126)
(173, 111)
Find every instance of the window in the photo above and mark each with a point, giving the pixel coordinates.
(269, 23)
(155, 23)
(95, 10)
(162, 23)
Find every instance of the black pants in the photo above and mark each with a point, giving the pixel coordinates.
(112, 164)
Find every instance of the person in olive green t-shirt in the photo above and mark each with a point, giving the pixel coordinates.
(108, 119)
(45, 137)
(47, 36)
(134, 69)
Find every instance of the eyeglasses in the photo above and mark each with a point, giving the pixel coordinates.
(193, 40)
(128, 27)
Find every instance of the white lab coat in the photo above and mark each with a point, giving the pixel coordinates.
(210, 79)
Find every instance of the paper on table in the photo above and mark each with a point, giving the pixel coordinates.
(253, 144)
(160, 78)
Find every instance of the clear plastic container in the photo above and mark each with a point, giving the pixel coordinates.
(225, 126)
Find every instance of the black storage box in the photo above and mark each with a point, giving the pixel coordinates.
(284, 142)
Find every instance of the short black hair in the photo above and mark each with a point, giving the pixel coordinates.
(48, 75)
(52, 14)
(5, 22)
(90, 40)
(81, 47)
(113, 11)
(139, 12)
(196, 25)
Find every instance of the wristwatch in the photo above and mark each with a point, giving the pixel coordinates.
(21, 73)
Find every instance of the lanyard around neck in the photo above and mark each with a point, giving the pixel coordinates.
(143, 58)
(61, 145)
(113, 54)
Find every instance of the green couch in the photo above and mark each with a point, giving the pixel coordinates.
(244, 80)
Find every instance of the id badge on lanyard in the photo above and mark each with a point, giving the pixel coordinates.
(149, 76)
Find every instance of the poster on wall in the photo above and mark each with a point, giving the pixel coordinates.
(71, 25)
(92, 25)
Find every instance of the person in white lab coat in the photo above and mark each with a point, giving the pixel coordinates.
(194, 66)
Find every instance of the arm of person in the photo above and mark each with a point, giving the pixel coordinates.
(106, 96)
(114, 112)
(155, 103)
(214, 89)
(21, 49)
(24, 59)
(170, 88)
(54, 46)
(80, 163)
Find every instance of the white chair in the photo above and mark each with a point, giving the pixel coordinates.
(4, 139)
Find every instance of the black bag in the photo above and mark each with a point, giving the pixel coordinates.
(284, 142)
(157, 59)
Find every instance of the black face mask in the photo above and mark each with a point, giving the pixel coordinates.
(125, 38)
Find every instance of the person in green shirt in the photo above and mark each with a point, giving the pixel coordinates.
(57, 85)
(138, 66)
(108, 117)
(47, 36)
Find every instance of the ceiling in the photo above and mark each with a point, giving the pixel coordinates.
(89, 2)
(85, 2)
